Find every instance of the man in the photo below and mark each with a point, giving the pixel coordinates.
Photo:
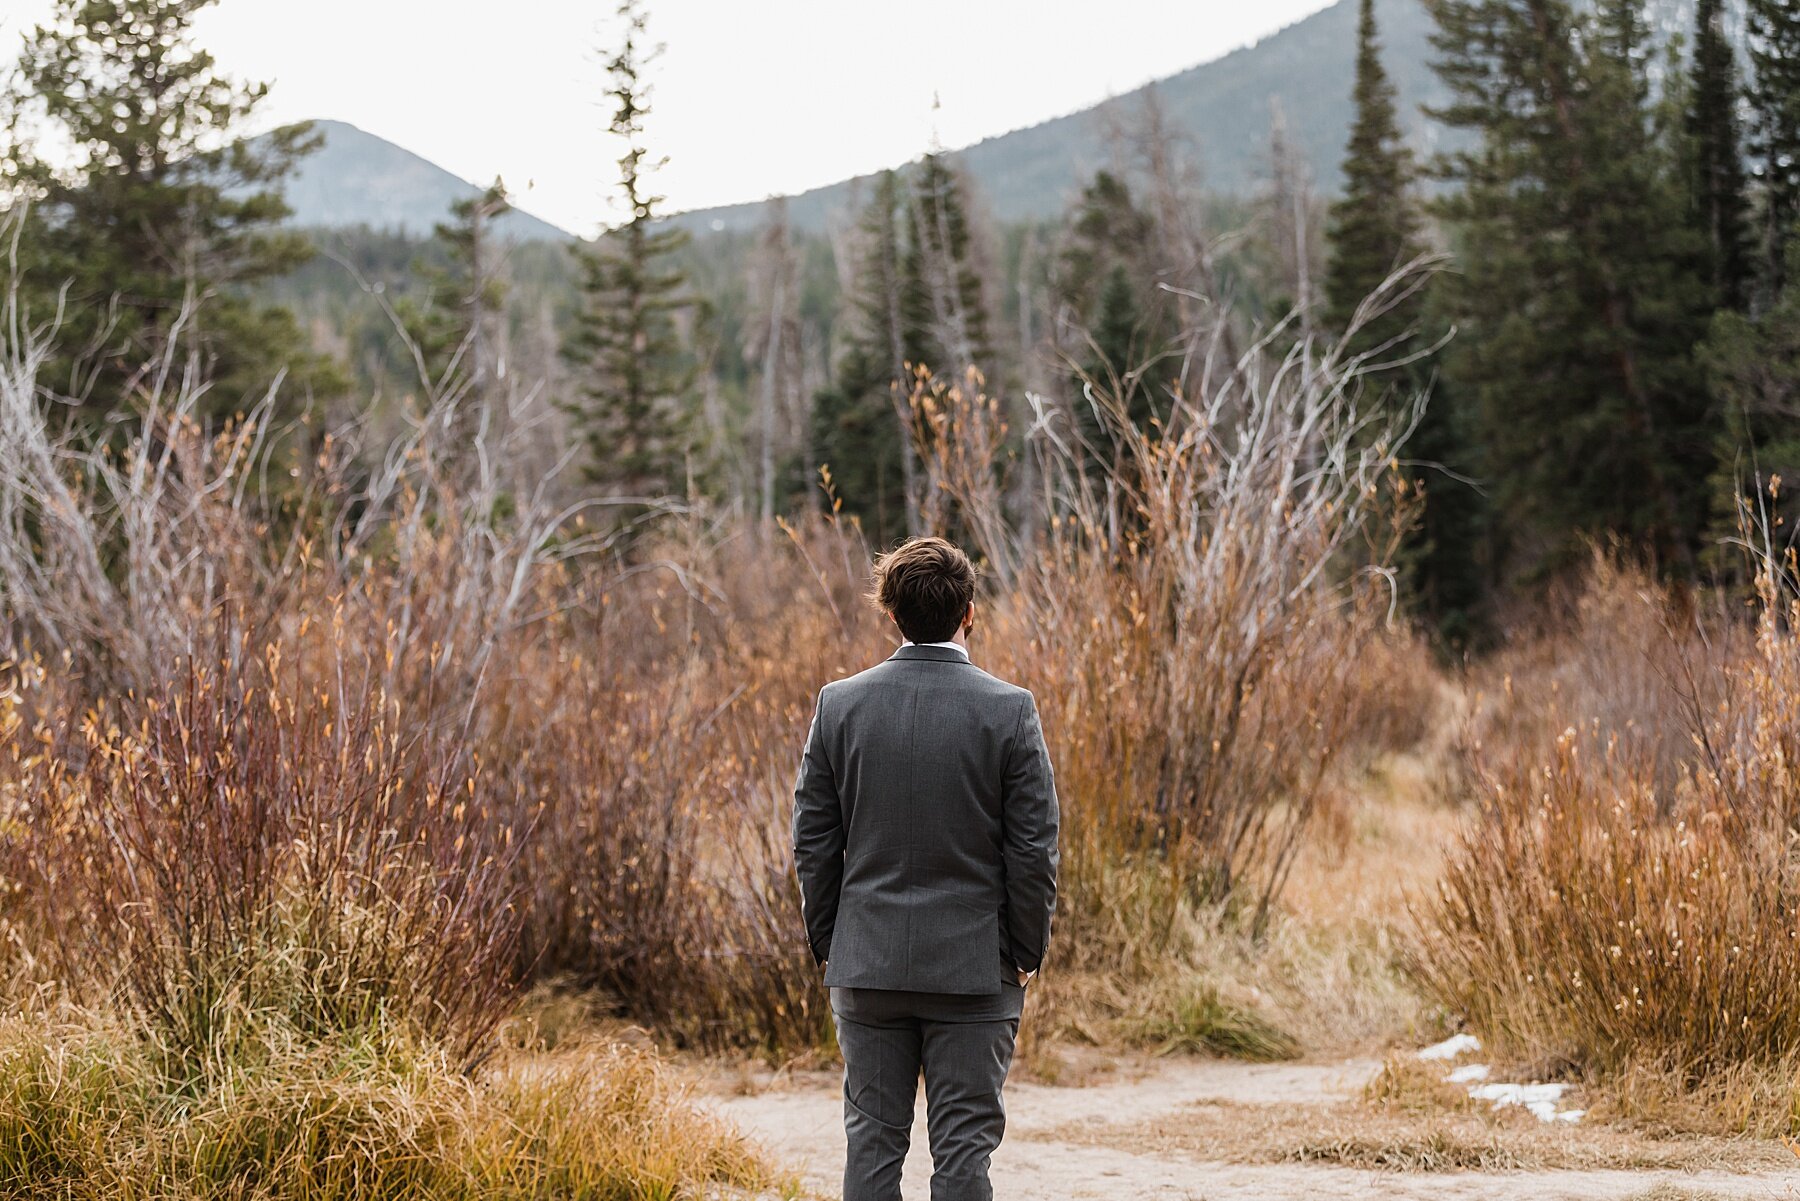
(925, 839)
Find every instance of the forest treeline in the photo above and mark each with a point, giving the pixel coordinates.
(1606, 325)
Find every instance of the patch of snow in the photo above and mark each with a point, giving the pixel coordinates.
(1540, 1099)
(1518, 1094)
(1450, 1048)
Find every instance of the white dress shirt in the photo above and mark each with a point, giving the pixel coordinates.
(958, 647)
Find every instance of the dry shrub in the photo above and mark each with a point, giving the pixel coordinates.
(1755, 1098)
(1204, 617)
(1407, 1084)
(1578, 927)
(239, 844)
(1595, 921)
(1401, 694)
(662, 872)
(86, 1114)
(1188, 627)
(1630, 665)
(265, 779)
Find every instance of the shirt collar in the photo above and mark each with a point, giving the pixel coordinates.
(958, 647)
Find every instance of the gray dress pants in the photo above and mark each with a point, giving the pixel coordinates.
(964, 1046)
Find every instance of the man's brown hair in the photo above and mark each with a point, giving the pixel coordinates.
(926, 584)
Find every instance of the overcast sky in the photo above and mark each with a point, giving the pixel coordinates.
(752, 97)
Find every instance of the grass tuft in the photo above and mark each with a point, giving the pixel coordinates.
(87, 1114)
(1409, 1085)
(1202, 1022)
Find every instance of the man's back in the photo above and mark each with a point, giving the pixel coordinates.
(932, 775)
(925, 842)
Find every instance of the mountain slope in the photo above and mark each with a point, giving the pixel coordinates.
(1224, 105)
(356, 178)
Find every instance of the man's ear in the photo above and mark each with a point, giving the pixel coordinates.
(968, 621)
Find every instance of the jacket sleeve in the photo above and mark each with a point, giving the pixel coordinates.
(818, 838)
(1029, 816)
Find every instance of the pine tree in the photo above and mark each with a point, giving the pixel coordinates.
(1580, 298)
(1375, 224)
(1116, 358)
(626, 347)
(1107, 229)
(454, 324)
(918, 304)
(164, 216)
(1441, 559)
(1753, 365)
(1105, 286)
(1376, 228)
(1774, 92)
(861, 433)
(1716, 145)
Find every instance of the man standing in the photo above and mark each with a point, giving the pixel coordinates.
(925, 840)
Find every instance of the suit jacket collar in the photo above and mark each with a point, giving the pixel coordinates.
(936, 654)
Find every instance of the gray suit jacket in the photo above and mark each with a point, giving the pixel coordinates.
(925, 828)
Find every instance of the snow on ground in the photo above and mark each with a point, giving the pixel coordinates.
(1451, 1048)
(1542, 1100)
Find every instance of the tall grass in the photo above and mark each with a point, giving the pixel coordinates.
(86, 1112)
(1612, 915)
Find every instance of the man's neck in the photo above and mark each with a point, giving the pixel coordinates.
(960, 642)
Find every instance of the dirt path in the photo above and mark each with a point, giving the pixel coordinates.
(799, 1119)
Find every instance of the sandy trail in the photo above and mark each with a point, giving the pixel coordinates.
(799, 1120)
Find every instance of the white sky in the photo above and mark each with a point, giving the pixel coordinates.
(752, 97)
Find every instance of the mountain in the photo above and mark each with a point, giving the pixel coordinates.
(1224, 105)
(356, 178)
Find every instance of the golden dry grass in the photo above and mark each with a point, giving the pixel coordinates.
(1324, 977)
(86, 1114)
(1361, 1135)
(1760, 1099)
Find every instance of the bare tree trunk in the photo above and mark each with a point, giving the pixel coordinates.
(939, 262)
(771, 369)
(1202, 306)
(1025, 506)
(772, 289)
(1290, 215)
(901, 388)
